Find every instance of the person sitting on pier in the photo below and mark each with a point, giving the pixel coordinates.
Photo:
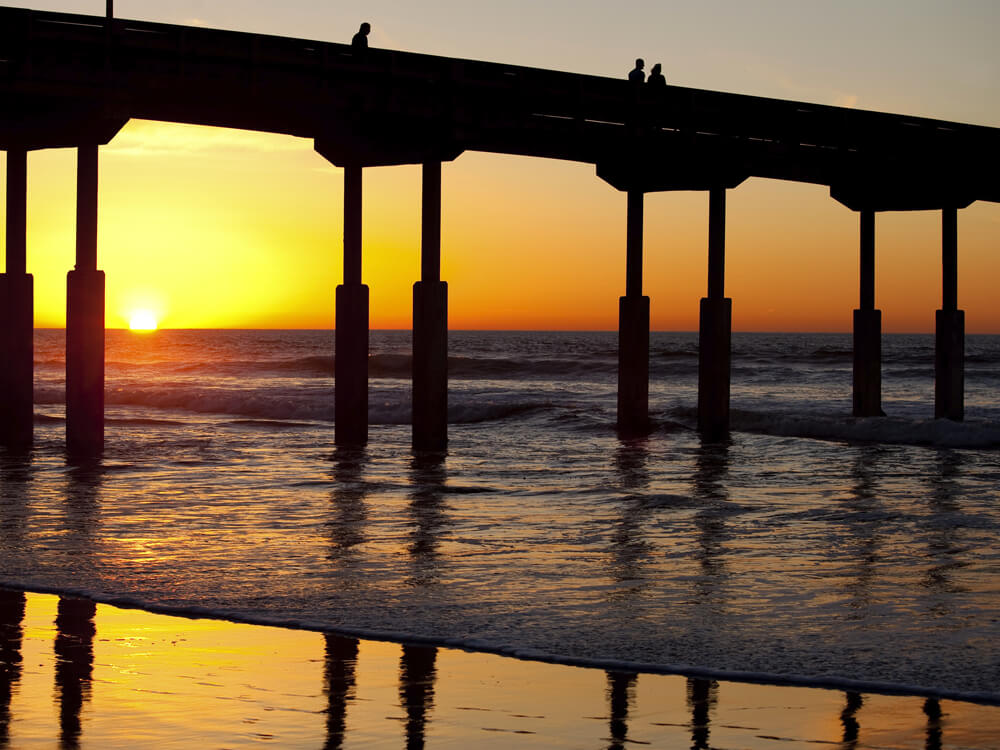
(636, 75)
(359, 41)
(656, 79)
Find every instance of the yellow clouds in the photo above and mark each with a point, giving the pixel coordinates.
(142, 138)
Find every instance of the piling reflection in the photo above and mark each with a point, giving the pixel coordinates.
(621, 694)
(631, 552)
(632, 464)
(82, 510)
(427, 516)
(12, 604)
(487, 700)
(417, 674)
(702, 696)
(350, 512)
(16, 474)
(849, 721)
(711, 468)
(944, 533)
(863, 520)
(932, 710)
(74, 664)
(340, 668)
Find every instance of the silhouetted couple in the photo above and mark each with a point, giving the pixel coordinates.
(656, 79)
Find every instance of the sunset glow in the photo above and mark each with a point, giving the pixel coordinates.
(142, 320)
(244, 230)
(549, 374)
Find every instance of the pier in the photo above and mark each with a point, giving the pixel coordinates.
(73, 81)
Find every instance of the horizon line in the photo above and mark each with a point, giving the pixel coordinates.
(514, 330)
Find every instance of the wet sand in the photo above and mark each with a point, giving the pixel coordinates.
(87, 675)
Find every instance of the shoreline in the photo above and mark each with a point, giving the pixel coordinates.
(521, 654)
(120, 678)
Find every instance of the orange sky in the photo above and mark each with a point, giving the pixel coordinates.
(219, 228)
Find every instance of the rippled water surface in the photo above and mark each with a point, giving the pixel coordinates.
(811, 546)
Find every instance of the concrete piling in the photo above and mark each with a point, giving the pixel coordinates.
(949, 349)
(17, 312)
(85, 320)
(430, 325)
(430, 366)
(867, 370)
(715, 329)
(351, 343)
(633, 330)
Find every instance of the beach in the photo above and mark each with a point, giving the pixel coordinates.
(128, 678)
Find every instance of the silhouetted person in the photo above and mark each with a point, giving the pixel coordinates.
(656, 79)
(74, 650)
(636, 75)
(341, 663)
(360, 40)
(11, 633)
(416, 691)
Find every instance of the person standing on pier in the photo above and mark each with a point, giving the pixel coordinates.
(657, 86)
(636, 75)
(359, 41)
(656, 80)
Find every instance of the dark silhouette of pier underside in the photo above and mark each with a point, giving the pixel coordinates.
(74, 81)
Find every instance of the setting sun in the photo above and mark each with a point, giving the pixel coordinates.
(142, 320)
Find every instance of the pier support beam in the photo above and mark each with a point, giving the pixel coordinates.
(949, 359)
(715, 329)
(351, 343)
(633, 331)
(17, 313)
(85, 320)
(867, 329)
(430, 326)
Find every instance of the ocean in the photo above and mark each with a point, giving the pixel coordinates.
(813, 548)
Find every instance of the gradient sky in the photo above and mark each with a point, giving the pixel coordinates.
(220, 228)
